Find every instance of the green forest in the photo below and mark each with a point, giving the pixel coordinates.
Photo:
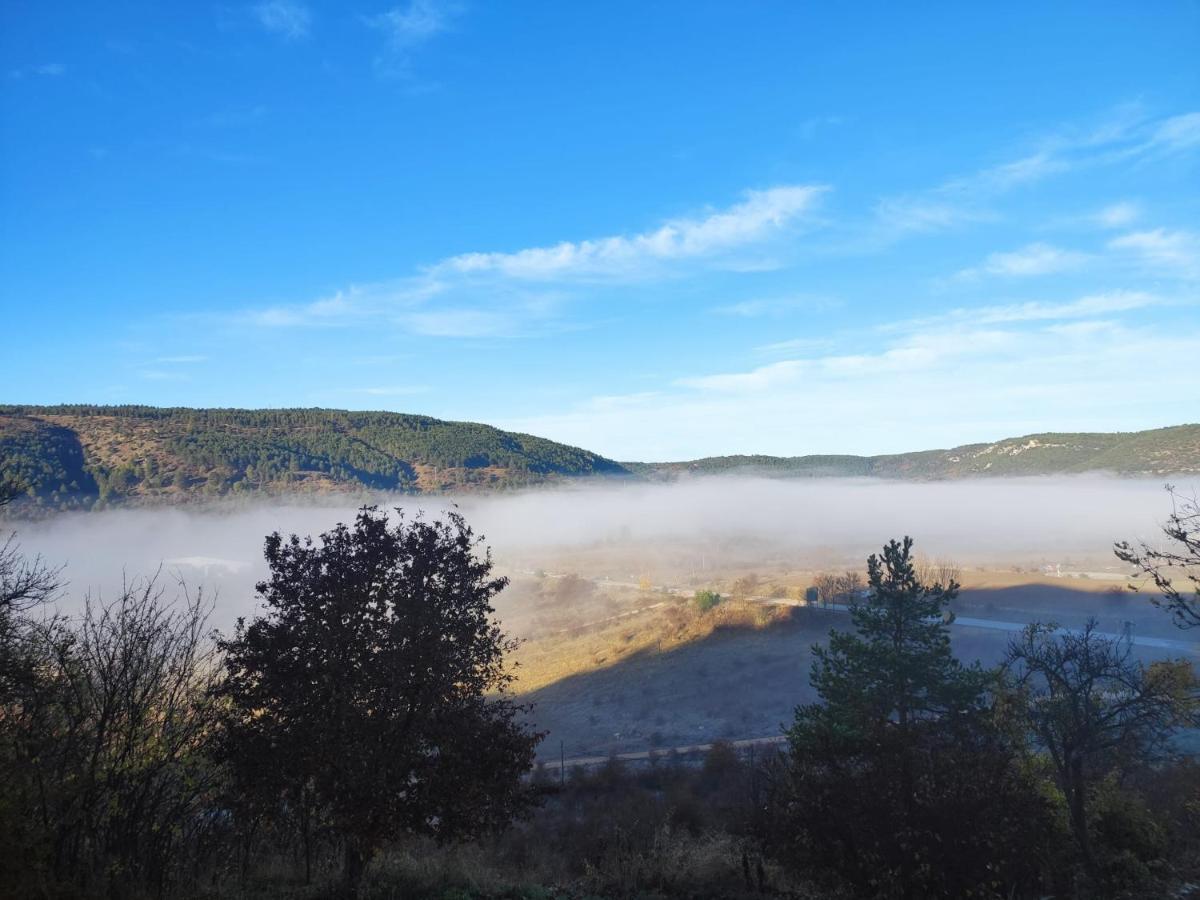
(81, 456)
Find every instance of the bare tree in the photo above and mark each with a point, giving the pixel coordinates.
(1175, 569)
(932, 570)
(1094, 708)
(104, 744)
(24, 583)
(838, 587)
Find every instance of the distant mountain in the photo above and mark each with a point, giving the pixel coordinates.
(1160, 452)
(81, 456)
(64, 457)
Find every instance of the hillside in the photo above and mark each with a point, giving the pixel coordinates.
(1161, 451)
(81, 456)
(78, 456)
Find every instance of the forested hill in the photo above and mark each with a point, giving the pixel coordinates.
(81, 456)
(84, 456)
(1159, 452)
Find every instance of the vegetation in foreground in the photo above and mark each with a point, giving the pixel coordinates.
(357, 739)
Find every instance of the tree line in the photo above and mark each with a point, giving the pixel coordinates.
(370, 704)
(216, 451)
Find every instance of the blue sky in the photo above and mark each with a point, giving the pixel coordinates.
(655, 230)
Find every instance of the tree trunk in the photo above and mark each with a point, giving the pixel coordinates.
(1077, 800)
(354, 867)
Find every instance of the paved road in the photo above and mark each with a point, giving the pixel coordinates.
(1000, 625)
(641, 755)
(961, 621)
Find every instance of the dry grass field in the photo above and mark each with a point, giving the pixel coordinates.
(615, 660)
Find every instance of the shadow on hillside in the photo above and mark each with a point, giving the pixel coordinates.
(737, 682)
(1112, 605)
(744, 682)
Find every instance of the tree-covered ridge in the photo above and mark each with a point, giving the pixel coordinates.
(1161, 451)
(44, 461)
(75, 456)
(114, 453)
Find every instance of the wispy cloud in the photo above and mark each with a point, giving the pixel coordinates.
(916, 213)
(1030, 260)
(523, 291)
(1125, 135)
(1174, 135)
(460, 323)
(761, 214)
(1166, 252)
(45, 70)
(1036, 311)
(289, 19)
(181, 360)
(945, 386)
(916, 351)
(405, 28)
(767, 307)
(1116, 215)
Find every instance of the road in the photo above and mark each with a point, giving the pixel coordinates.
(644, 755)
(959, 621)
(1000, 625)
(1156, 643)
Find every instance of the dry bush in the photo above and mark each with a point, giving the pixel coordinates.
(108, 785)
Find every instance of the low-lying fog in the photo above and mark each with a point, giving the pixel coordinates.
(1011, 521)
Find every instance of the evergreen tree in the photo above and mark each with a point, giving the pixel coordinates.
(901, 782)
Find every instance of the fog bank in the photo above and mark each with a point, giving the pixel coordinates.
(1024, 521)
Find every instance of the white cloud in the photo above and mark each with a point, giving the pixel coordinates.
(407, 26)
(1127, 135)
(181, 360)
(762, 214)
(938, 389)
(1030, 260)
(899, 215)
(1169, 252)
(523, 292)
(287, 18)
(1176, 134)
(1025, 170)
(917, 351)
(1117, 215)
(1096, 304)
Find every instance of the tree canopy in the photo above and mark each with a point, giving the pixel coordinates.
(902, 749)
(376, 678)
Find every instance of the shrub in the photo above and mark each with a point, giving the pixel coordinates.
(706, 600)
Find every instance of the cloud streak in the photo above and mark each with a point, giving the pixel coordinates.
(1166, 252)
(286, 18)
(484, 294)
(1032, 259)
(761, 214)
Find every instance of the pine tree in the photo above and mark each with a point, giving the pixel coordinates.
(900, 783)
